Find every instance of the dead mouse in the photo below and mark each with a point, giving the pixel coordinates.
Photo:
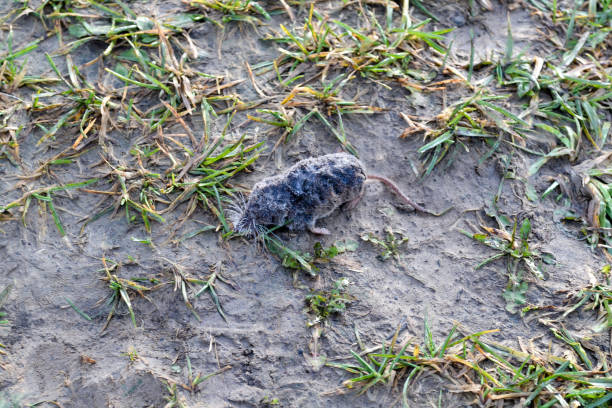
(311, 189)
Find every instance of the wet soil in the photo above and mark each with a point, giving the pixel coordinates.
(262, 350)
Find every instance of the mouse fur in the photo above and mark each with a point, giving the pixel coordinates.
(311, 189)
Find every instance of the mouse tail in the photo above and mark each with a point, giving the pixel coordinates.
(393, 187)
(404, 197)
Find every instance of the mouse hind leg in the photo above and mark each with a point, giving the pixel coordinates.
(306, 222)
(317, 230)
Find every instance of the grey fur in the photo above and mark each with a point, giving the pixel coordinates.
(311, 189)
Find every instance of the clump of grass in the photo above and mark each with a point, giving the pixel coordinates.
(290, 258)
(326, 100)
(515, 248)
(573, 106)
(189, 287)
(569, 88)
(594, 175)
(9, 133)
(568, 95)
(281, 119)
(47, 10)
(203, 178)
(142, 74)
(130, 36)
(475, 117)
(380, 52)
(493, 373)
(174, 398)
(3, 297)
(575, 20)
(182, 282)
(323, 303)
(131, 354)
(600, 297)
(383, 50)
(119, 25)
(13, 73)
(321, 104)
(149, 59)
(597, 184)
(44, 197)
(215, 170)
(247, 11)
(294, 259)
(596, 297)
(389, 244)
(269, 402)
(209, 286)
(120, 291)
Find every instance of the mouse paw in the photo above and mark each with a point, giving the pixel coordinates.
(349, 205)
(319, 230)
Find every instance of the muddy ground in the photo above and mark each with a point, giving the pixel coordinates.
(261, 353)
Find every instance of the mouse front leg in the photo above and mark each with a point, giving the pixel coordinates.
(349, 205)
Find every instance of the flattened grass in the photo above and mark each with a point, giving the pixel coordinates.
(492, 373)
(123, 290)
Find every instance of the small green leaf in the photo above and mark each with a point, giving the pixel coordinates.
(347, 245)
(183, 20)
(515, 297)
(77, 30)
(144, 23)
(525, 229)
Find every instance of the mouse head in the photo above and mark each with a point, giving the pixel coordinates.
(243, 219)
